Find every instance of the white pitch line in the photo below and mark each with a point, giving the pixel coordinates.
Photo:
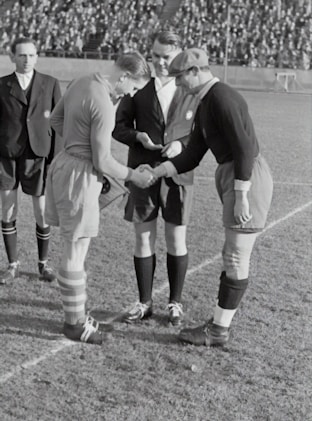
(289, 215)
(284, 183)
(65, 342)
(62, 344)
(218, 256)
(288, 183)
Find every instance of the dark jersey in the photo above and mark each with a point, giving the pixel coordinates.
(223, 125)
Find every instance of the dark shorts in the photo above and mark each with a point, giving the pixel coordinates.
(259, 195)
(28, 170)
(174, 201)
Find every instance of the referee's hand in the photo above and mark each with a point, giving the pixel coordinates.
(147, 142)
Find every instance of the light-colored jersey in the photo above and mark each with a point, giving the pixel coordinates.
(85, 118)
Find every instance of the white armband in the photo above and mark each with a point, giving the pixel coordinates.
(242, 185)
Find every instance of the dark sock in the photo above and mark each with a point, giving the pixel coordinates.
(43, 237)
(176, 267)
(231, 292)
(9, 233)
(144, 269)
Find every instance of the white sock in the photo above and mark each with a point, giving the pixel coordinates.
(223, 317)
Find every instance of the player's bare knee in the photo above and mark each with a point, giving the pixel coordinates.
(176, 248)
(9, 212)
(235, 264)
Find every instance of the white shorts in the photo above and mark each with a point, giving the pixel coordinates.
(72, 194)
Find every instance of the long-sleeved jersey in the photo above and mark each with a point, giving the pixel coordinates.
(85, 118)
(223, 125)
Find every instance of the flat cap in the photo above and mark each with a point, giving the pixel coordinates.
(188, 59)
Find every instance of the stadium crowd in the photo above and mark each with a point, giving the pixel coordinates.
(262, 33)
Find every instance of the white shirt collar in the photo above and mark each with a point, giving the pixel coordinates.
(24, 79)
(165, 94)
(159, 85)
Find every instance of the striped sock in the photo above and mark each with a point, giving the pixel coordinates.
(73, 292)
(43, 236)
(9, 233)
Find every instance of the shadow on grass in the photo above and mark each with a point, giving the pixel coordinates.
(34, 277)
(106, 316)
(50, 330)
(29, 277)
(30, 326)
(148, 335)
(145, 330)
(22, 274)
(28, 274)
(24, 301)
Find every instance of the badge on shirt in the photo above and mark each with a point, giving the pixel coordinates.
(46, 114)
(188, 115)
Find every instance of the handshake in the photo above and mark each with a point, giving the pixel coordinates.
(144, 176)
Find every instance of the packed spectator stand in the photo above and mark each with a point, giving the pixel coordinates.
(261, 33)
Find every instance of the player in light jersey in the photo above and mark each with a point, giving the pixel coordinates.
(85, 118)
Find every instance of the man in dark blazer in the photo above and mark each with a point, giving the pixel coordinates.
(27, 146)
(155, 123)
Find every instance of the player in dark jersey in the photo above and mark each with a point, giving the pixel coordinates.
(243, 180)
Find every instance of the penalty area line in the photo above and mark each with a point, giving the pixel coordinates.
(63, 343)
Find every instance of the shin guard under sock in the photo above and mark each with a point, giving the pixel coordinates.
(144, 269)
(43, 236)
(9, 233)
(176, 267)
(231, 291)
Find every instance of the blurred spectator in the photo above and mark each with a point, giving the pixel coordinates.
(274, 33)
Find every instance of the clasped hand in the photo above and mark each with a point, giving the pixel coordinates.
(143, 176)
(242, 213)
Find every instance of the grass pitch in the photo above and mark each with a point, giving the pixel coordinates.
(142, 373)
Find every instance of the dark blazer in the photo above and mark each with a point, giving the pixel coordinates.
(20, 120)
(143, 113)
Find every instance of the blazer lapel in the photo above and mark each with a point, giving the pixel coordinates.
(16, 90)
(36, 90)
(173, 105)
(156, 101)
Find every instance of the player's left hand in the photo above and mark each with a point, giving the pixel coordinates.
(172, 149)
(242, 214)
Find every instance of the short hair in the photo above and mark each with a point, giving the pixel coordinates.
(23, 40)
(168, 38)
(135, 64)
